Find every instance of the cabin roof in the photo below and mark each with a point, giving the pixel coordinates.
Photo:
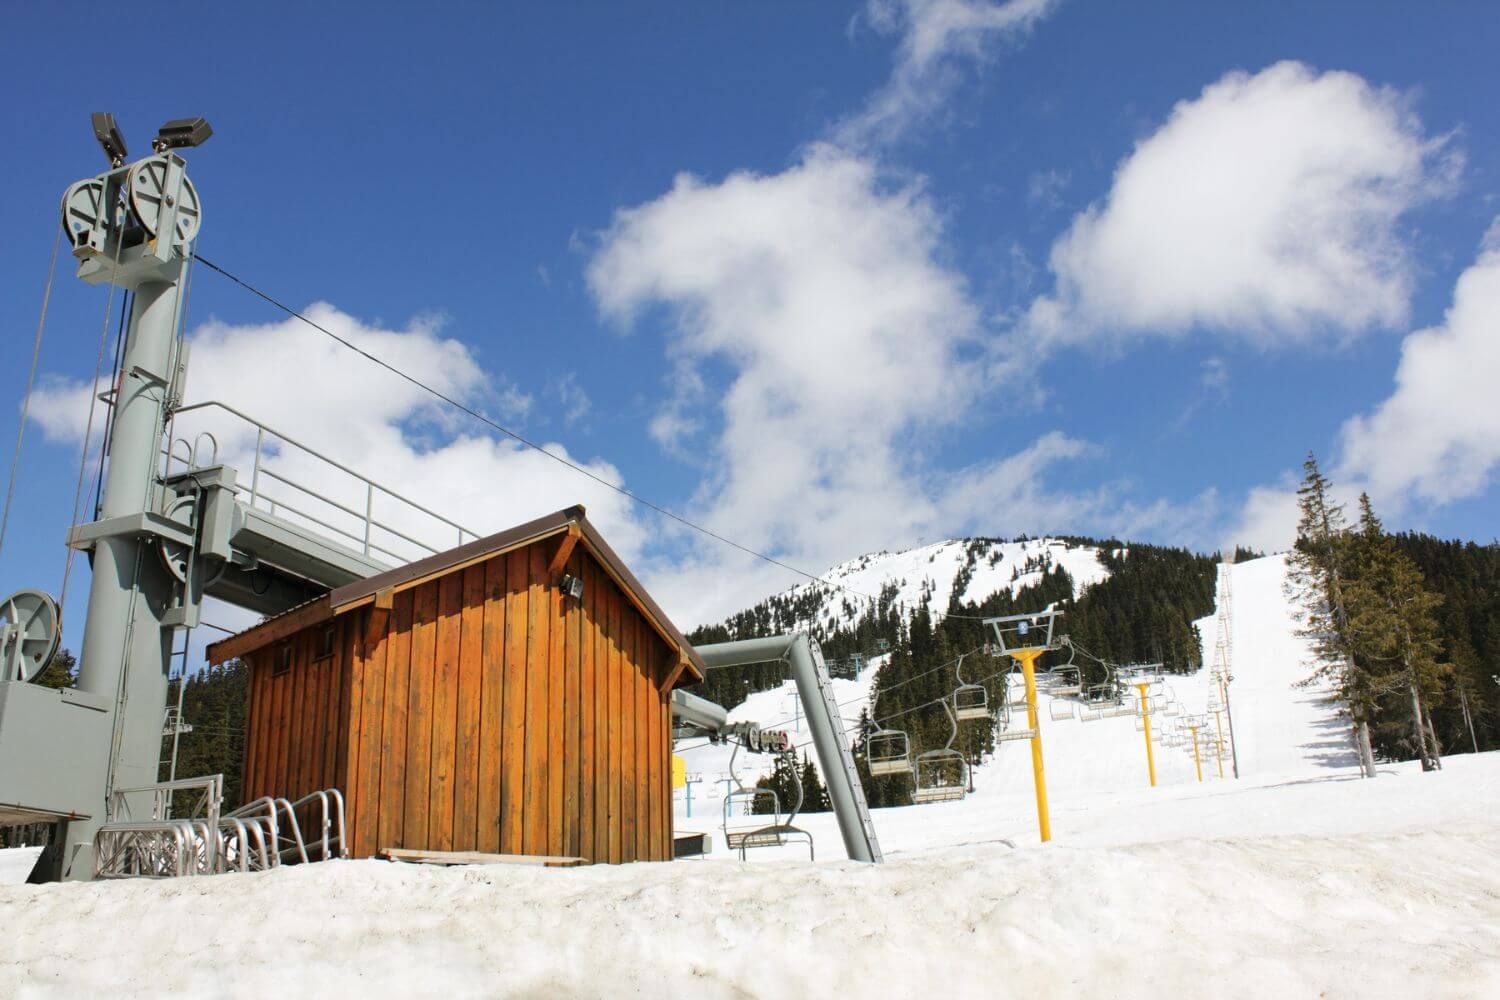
(379, 588)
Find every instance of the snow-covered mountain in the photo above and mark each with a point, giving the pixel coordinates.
(979, 566)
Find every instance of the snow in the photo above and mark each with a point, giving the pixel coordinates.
(16, 863)
(1297, 880)
(933, 569)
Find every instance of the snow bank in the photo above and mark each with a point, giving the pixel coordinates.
(1375, 911)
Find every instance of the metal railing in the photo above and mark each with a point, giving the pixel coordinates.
(364, 532)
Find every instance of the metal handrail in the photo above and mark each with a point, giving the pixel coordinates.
(371, 486)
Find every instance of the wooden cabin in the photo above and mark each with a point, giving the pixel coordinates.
(466, 702)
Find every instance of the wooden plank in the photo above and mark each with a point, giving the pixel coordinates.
(371, 737)
(491, 706)
(470, 676)
(628, 816)
(564, 551)
(273, 694)
(674, 673)
(445, 681)
(556, 734)
(654, 756)
(616, 728)
(478, 858)
(341, 708)
(307, 705)
(642, 682)
(283, 626)
(596, 582)
(391, 825)
(419, 716)
(302, 724)
(283, 684)
(513, 746)
(317, 694)
(587, 708)
(669, 835)
(538, 648)
(572, 710)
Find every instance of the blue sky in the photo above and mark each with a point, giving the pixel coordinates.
(825, 277)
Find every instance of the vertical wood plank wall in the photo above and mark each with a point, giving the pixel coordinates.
(482, 711)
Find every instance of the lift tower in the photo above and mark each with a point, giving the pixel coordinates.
(162, 540)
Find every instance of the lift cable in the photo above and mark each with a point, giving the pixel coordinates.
(527, 442)
(36, 353)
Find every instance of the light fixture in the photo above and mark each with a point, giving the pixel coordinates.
(110, 139)
(572, 586)
(182, 133)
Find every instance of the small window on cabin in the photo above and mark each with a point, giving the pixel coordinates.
(325, 642)
(281, 660)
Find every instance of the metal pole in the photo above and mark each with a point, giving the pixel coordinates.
(1219, 746)
(1146, 723)
(1234, 749)
(260, 438)
(828, 731)
(370, 516)
(1027, 658)
(1197, 760)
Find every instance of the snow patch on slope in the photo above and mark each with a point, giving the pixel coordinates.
(933, 570)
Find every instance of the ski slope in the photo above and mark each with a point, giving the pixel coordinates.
(1282, 731)
(1297, 880)
(933, 570)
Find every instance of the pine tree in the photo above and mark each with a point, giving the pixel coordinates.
(1318, 571)
(1393, 628)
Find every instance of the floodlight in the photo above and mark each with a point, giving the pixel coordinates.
(108, 134)
(182, 133)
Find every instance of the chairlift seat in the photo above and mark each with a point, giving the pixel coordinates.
(888, 751)
(932, 776)
(971, 701)
(1060, 709)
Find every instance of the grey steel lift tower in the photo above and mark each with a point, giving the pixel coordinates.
(160, 543)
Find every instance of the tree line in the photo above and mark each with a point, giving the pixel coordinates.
(1406, 629)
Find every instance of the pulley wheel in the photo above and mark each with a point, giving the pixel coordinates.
(82, 204)
(149, 200)
(30, 630)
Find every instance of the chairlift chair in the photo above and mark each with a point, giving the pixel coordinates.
(1008, 730)
(970, 701)
(941, 775)
(753, 831)
(1060, 709)
(1065, 677)
(887, 751)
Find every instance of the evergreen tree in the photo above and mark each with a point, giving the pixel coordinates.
(61, 671)
(1393, 628)
(1318, 578)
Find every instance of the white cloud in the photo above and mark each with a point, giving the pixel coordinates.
(818, 346)
(1267, 521)
(1268, 207)
(304, 385)
(1437, 437)
(820, 292)
(574, 399)
(1045, 187)
(935, 35)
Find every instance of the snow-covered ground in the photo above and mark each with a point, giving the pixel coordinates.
(1298, 880)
